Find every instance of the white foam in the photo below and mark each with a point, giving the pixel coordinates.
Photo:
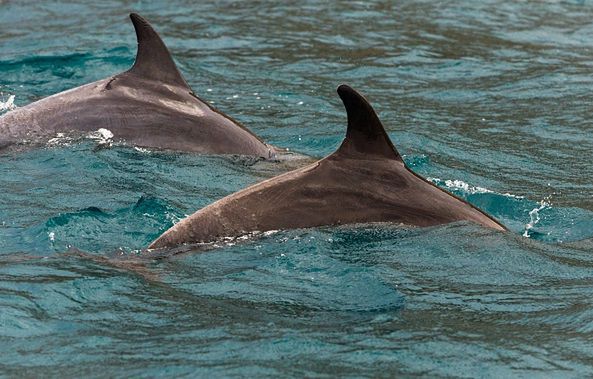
(173, 218)
(461, 185)
(105, 133)
(7, 105)
(102, 136)
(60, 140)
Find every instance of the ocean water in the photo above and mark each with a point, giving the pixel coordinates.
(489, 100)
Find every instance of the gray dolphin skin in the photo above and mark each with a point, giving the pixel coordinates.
(150, 105)
(364, 181)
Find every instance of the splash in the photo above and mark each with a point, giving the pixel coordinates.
(467, 188)
(535, 217)
(60, 140)
(173, 218)
(7, 105)
(460, 184)
(102, 136)
(142, 150)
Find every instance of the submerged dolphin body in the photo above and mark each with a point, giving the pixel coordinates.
(150, 105)
(364, 181)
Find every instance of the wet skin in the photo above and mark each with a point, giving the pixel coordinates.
(364, 181)
(150, 105)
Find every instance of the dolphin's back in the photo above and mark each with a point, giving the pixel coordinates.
(149, 105)
(330, 192)
(364, 181)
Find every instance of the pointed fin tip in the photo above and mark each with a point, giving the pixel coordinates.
(138, 20)
(366, 134)
(145, 34)
(153, 59)
(135, 16)
(344, 90)
(144, 31)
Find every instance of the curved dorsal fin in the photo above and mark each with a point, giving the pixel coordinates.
(153, 60)
(365, 134)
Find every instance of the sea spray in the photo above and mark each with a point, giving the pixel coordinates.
(534, 216)
(455, 184)
(8, 104)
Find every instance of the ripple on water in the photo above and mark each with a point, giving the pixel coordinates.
(492, 98)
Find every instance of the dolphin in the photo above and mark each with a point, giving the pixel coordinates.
(364, 181)
(150, 105)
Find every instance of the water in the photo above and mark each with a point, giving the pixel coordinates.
(490, 100)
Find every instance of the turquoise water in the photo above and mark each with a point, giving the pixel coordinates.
(490, 101)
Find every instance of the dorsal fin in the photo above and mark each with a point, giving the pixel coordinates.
(153, 60)
(365, 135)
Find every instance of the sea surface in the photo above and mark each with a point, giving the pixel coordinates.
(490, 100)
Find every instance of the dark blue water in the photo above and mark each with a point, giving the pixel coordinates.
(490, 101)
